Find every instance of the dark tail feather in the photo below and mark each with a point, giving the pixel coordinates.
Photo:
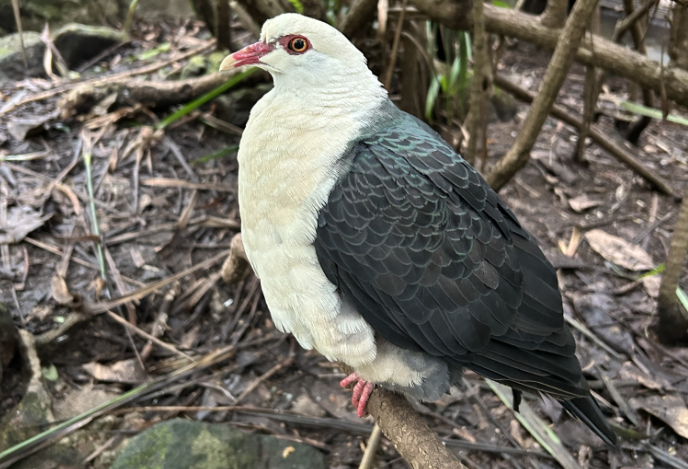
(587, 410)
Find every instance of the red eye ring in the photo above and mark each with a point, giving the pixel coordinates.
(295, 44)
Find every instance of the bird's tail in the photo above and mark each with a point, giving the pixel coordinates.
(587, 410)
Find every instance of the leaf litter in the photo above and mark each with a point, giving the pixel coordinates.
(184, 221)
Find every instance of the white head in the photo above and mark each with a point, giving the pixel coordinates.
(303, 53)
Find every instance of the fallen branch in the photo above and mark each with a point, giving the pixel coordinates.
(605, 54)
(600, 137)
(115, 77)
(557, 70)
(160, 93)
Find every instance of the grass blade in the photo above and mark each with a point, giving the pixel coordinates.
(536, 427)
(636, 108)
(200, 101)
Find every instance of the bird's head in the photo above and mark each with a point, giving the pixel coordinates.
(299, 51)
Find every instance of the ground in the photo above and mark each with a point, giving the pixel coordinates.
(159, 217)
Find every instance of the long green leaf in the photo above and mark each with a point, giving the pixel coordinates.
(200, 101)
(636, 108)
(216, 154)
(433, 92)
(536, 427)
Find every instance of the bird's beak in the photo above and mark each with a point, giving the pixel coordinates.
(247, 56)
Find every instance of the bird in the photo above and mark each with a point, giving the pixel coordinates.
(379, 246)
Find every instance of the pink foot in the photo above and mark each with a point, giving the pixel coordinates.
(361, 394)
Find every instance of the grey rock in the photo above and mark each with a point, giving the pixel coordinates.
(184, 444)
(12, 61)
(77, 43)
(36, 13)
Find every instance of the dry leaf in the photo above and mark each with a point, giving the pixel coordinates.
(583, 202)
(125, 371)
(20, 222)
(651, 285)
(60, 291)
(670, 409)
(629, 371)
(619, 251)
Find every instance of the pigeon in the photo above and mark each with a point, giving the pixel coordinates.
(380, 247)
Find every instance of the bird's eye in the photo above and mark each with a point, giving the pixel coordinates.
(298, 44)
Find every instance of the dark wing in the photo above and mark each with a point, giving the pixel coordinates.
(434, 261)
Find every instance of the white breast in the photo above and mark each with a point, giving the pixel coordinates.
(287, 162)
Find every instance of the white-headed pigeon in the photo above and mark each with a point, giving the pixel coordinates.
(379, 246)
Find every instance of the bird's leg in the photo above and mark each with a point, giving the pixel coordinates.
(361, 394)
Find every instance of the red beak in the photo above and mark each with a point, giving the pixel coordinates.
(247, 56)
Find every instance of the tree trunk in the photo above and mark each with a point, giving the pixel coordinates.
(672, 320)
(678, 41)
(555, 14)
(224, 30)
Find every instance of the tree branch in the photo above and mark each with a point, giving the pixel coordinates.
(678, 42)
(481, 81)
(358, 17)
(600, 137)
(407, 431)
(605, 54)
(554, 15)
(562, 59)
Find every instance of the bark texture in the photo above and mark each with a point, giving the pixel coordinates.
(555, 14)
(678, 40)
(408, 432)
(358, 17)
(672, 320)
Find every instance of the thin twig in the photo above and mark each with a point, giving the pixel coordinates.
(145, 335)
(395, 47)
(373, 445)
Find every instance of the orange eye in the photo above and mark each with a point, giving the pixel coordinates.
(298, 44)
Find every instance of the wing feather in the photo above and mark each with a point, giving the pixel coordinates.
(434, 261)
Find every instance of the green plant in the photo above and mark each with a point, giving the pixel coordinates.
(450, 83)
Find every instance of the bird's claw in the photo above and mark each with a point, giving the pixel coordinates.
(361, 393)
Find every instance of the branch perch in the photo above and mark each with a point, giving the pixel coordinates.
(407, 431)
(411, 436)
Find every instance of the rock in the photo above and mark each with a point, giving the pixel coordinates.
(79, 43)
(36, 13)
(12, 61)
(184, 444)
